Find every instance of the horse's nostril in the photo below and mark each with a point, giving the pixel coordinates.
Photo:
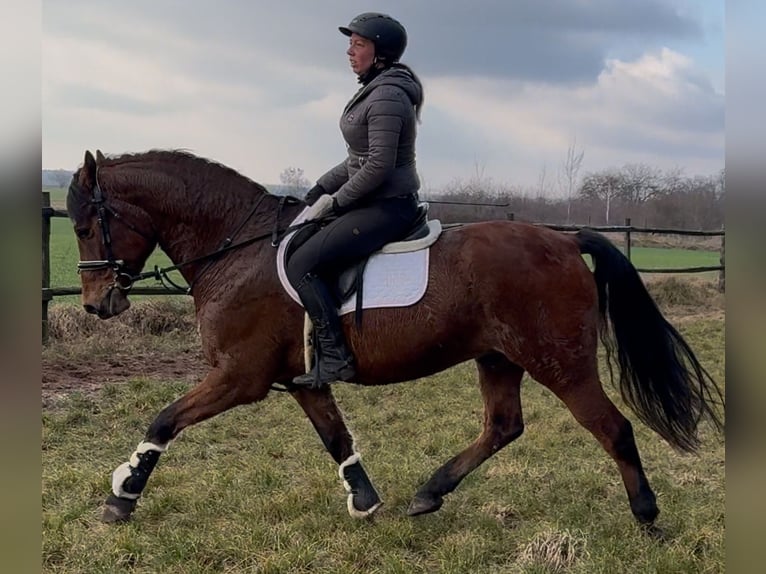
(90, 309)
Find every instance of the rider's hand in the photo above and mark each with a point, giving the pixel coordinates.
(314, 193)
(322, 207)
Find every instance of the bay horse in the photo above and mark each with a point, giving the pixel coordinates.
(514, 297)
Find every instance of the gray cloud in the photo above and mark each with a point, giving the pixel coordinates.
(543, 40)
(260, 84)
(90, 98)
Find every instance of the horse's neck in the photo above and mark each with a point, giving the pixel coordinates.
(191, 223)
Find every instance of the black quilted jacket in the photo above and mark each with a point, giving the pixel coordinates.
(379, 126)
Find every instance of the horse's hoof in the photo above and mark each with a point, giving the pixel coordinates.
(422, 505)
(113, 515)
(645, 510)
(655, 532)
(362, 505)
(117, 509)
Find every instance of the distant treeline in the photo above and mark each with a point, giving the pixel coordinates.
(649, 197)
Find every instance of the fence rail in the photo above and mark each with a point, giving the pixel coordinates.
(48, 292)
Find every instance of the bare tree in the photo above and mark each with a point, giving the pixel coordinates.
(640, 182)
(604, 186)
(721, 184)
(541, 181)
(568, 174)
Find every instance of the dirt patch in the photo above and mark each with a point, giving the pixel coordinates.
(155, 340)
(62, 375)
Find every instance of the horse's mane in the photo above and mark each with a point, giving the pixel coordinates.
(188, 163)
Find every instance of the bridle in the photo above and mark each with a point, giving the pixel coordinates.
(124, 280)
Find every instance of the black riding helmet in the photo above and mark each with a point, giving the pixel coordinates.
(388, 35)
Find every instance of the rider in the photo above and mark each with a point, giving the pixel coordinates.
(374, 190)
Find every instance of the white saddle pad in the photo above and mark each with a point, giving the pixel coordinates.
(390, 279)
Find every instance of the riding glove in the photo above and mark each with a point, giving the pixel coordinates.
(314, 193)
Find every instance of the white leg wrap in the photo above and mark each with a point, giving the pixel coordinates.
(122, 472)
(353, 512)
(353, 459)
(145, 447)
(119, 476)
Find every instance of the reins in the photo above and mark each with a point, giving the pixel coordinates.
(276, 235)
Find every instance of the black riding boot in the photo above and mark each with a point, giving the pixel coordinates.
(333, 361)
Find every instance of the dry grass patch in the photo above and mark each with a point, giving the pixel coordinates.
(158, 316)
(680, 296)
(553, 549)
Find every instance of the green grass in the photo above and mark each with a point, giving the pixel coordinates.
(57, 196)
(669, 258)
(253, 490)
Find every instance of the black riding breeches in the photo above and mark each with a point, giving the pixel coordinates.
(352, 237)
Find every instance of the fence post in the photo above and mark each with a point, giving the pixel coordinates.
(627, 237)
(722, 272)
(46, 261)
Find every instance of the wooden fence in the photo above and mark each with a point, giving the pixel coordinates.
(48, 292)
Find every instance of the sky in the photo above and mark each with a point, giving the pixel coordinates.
(510, 85)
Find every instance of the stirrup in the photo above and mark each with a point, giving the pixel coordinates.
(313, 381)
(308, 380)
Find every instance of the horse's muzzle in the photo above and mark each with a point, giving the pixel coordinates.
(114, 303)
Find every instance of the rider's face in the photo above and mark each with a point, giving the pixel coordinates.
(361, 53)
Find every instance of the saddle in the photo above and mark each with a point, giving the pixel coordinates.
(421, 234)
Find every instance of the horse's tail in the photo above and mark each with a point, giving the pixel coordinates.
(660, 378)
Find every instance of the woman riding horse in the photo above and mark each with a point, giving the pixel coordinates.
(373, 191)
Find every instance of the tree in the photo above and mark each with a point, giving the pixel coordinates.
(541, 181)
(568, 174)
(640, 182)
(294, 181)
(604, 186)
(720, 187)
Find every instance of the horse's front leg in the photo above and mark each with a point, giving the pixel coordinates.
(219, 391)
(322, 410)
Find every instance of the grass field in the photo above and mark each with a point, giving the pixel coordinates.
(253, 490)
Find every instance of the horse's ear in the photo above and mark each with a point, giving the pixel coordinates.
(90, 166)
(100, 157)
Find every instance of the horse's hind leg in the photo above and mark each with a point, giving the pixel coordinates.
(500, 383)
(219, 391)
(593, 410)
(322, 410)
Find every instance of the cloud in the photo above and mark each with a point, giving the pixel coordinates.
(260, 86)
(553, 41)
(655, 109)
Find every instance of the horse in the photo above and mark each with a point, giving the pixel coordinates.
(514, 297)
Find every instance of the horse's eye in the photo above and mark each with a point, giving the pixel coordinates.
(84, 233)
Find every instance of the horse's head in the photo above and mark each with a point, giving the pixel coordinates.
(114, 238)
